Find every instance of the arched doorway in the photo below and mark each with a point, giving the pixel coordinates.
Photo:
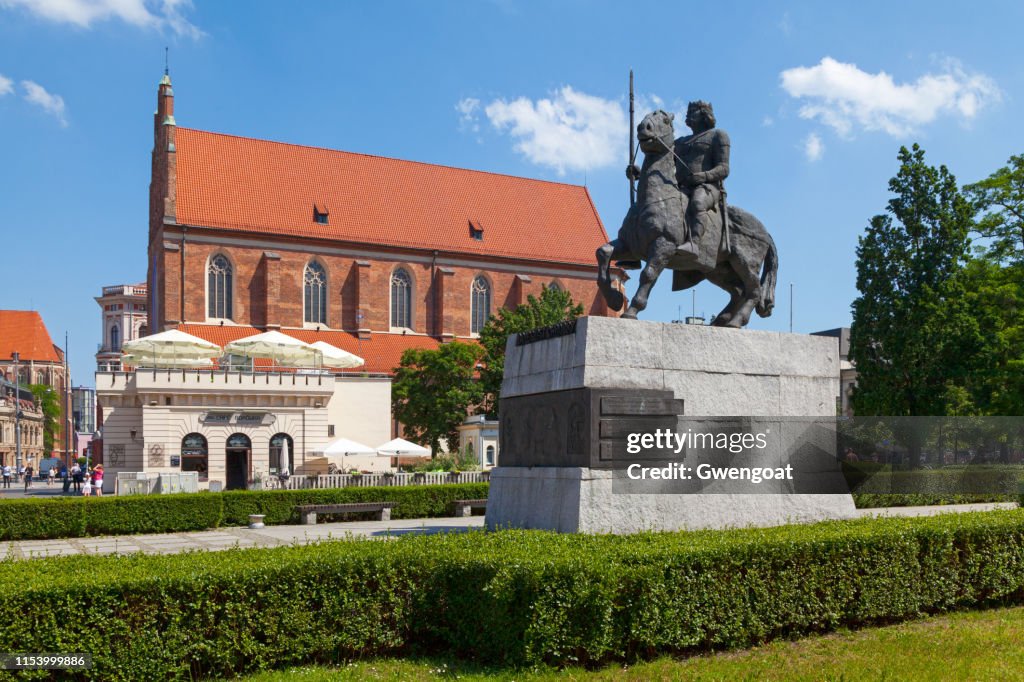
(237, 459)
(276, 451)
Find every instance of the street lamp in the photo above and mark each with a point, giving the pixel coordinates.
(17, 412)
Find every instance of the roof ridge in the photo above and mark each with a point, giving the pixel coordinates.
(386, 158)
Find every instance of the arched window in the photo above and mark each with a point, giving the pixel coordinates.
(194, 454)
(479, 304)
(115, 338)
(278, 443)
(218, 291)
(239, 441)
(143, 331)
(555, 286)
(315, 294)
(490, 456)
(401, 299)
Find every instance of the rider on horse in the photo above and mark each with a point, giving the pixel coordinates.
(702, 164)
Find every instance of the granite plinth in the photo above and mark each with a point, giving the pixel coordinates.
(713, 371)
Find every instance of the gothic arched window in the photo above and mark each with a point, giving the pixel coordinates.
(401, 299)
(315, 294)
(480, 304)
(218, 292)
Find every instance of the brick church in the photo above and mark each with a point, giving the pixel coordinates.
(373, 255)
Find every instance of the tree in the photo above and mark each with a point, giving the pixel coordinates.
(48, 403)
(995, 296)
(434, 390)
(913, 337)
(553, 306)
(1000, 200)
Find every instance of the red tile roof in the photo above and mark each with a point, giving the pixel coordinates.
(23, 332)
(382, 352)
(253, 185)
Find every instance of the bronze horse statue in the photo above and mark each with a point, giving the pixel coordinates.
(745, 264)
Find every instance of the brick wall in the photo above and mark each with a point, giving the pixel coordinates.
(268, 289)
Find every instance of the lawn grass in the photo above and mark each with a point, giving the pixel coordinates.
(972, 645)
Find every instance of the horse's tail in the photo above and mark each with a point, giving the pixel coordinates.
(769, 273)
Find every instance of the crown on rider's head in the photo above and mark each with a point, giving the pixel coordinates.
(705, 109)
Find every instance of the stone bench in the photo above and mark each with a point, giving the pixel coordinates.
(466, 507)
(308, 512)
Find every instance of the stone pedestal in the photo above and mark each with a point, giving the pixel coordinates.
(569, 397)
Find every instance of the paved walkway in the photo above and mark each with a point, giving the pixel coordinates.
(275, 536)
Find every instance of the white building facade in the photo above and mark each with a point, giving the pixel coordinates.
(234, 427)
(125, 318)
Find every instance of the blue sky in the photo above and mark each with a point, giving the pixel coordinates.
(817, 98)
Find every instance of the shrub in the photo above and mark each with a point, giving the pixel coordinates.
(27, 519)
(512, 597)
(151, 514)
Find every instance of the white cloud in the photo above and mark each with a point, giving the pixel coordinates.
(844, 97)
(53, 104)
(468, 109)
(814, 148)
(570, 131)
(84, 13)
(6, 85)
(175, 19)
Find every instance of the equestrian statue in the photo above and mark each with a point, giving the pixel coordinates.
(680, 221)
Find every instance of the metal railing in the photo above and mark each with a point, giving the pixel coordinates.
(371, 480)
(145, 483)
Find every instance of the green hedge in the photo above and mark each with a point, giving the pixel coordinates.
(875, 501)
(413, 502)
(939, 482)
(512, 597)
(37, 519)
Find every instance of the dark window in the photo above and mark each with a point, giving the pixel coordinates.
(239, 440)
(115, 338)
(401, 299)
(219, 288)
(315, 293)
(480, 304)
(319, 214)
(277, 459)
(476, 230)
(194, 454)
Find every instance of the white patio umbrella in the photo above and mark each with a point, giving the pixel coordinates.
(337, 449)
(167, 347)
(400, 446)
(285, 463)
(336, 357)
(274, 345)
(165, 362)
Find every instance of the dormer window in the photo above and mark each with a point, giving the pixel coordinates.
(320, 214)
(476, 230)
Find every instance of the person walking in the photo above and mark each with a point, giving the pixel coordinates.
(97, 480)
(65, 477)
(52, 475)
(7, 475)
(28, 477)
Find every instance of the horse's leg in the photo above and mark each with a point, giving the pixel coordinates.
(724, 277)
(746, 260)
(605, 255)
(657, 258)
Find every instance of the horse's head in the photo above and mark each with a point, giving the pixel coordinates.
(655, 133)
